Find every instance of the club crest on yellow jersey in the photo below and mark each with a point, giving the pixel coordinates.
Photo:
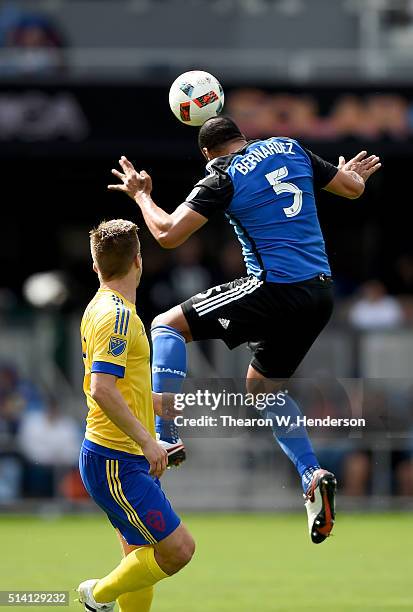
(116, 346)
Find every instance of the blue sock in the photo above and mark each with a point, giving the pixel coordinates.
(294, 441)
(168, 371)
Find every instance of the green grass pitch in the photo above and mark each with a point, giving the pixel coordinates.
(243, 562)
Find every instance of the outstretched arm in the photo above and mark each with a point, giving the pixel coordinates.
(350, 180)
(170, 230)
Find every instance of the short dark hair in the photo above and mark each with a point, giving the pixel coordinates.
(114, 244)
(217, 131)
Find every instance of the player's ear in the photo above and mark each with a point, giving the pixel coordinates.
(138, 261)
(205, 153)
(95, 268)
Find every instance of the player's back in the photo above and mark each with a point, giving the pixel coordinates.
(274, 213)
(114, 342)
(266, 189)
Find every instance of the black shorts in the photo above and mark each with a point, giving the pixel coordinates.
(279, 321)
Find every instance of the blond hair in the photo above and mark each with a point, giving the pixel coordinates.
(114, 245)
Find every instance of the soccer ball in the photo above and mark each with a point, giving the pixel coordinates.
(196, 96)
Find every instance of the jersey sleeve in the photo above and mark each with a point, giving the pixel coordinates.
(212, 194)
(111, 343)
(323, 171)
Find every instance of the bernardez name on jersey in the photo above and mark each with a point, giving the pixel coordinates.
(267, 192)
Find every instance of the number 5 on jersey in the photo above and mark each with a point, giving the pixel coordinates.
(275, 179)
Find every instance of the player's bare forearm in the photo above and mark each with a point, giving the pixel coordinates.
(158, 221)
(109, 399)
(358, 184)
(347, 184)
(172, 230)
(169, 230)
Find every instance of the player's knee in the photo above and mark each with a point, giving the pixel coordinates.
(161, 319)
(186, 551)
(170, 318)
(183, 552)
(175, 557)
(257, 383)
(173, 318)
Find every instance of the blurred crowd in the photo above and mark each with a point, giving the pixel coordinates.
(39, 439)
(39, 442)
(388, 411)
(376, 458)
(370, 117)
(33, 41)
(397, 20)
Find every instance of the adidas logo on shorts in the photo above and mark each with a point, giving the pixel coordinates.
(224, 323)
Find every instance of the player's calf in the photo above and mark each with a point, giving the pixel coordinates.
(169, 366)
(287, 426)
(142, 568)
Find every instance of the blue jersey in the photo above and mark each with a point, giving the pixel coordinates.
(266, 191)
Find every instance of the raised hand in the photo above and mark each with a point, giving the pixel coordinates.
(362, 165)
(133, 182)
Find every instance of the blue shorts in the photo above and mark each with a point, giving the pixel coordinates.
(133, 500)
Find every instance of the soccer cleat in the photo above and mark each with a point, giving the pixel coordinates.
(85, 590)
(320, 505)
(176, 452)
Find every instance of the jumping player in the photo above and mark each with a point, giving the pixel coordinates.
(120, 460)
(266, 189)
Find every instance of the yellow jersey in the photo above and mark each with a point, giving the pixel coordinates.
(114, 342)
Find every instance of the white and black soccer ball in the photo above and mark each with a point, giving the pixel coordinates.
(196, 96)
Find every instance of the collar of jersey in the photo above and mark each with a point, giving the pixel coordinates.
(240, 151)
(124, 300)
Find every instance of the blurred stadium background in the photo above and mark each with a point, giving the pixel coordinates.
(82, 82)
